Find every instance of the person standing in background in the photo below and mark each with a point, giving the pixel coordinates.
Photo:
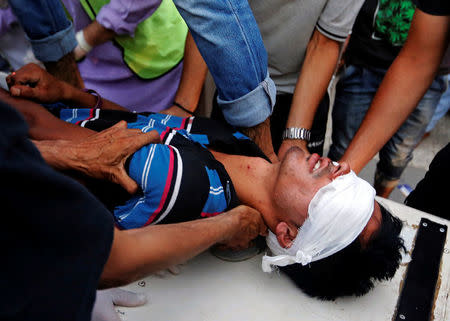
(379, 33)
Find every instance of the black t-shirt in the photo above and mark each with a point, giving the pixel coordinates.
(379, 32)
(56, 236)
(434, 7)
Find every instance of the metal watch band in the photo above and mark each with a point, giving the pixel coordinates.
(297, 133)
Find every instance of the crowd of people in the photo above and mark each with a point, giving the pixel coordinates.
(110, 176)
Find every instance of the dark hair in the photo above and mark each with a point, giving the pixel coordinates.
(353, 270)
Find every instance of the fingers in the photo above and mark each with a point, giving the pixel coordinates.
(28, 74)
(135, 140)
(125, 181)
(23, 91)
(120, 125)
(137, 137)
(263, 230)
(344, 168)
(143, 139)
(119, 143)
(258, 219)
(10, 80)
(273, 158)
(127, 298)
(251, 225)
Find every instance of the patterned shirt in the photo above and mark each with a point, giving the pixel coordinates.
(180, 179)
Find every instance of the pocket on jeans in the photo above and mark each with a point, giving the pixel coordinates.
(351, 76)
(439, 84)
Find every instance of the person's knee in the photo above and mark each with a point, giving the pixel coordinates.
(393, 160)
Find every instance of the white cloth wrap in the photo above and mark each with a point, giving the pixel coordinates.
(337, 214)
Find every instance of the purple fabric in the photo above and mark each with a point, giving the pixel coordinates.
(123, 16)
(7, 18)
(104, 70)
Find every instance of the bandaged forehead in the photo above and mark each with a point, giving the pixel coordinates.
(337, 214)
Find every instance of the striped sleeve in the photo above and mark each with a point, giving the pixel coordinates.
(337, 18)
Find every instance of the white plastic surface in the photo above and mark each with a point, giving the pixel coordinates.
(208, 289)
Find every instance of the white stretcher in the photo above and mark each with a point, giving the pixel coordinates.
(208, 289)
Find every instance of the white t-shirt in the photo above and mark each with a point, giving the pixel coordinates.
(287, 25)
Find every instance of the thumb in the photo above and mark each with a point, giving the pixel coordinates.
(22, 91)
(126, 181)
(127, 298)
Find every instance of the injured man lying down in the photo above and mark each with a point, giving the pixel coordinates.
(327, 233)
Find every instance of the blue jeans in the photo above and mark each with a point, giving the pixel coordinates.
(442, 108)
(354, 94)
(50, 32)
(228, 38)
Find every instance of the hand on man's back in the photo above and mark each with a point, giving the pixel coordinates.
(103, 155)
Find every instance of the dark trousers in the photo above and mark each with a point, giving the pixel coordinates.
(431, 193)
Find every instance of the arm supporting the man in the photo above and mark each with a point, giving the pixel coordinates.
(67, 146)
(192, 80)
(42, 125)
(320, 62)
(101, 155)
(96, 34)
(139, 252)
(51, 35)
(33, 82)
(229, 40)
(261, 135)
(403, 86)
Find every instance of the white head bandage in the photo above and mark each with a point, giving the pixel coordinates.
(337, 214)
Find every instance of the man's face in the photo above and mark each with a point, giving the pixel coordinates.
(299, 178)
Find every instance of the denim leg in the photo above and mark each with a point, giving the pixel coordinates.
(47, 27)
(354, 93)
(228, 38)
(397, 153)
(442, 108)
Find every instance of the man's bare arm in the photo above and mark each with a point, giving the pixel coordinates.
(101, 155)
(192, 80)
(42, 125)
(261, 135)
(94, 34)
(67, 146)
(33, 82)
(139, 252)
(66, 69)
(320, 62)
(403, 86)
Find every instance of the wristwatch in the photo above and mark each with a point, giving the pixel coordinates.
(297, 133)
